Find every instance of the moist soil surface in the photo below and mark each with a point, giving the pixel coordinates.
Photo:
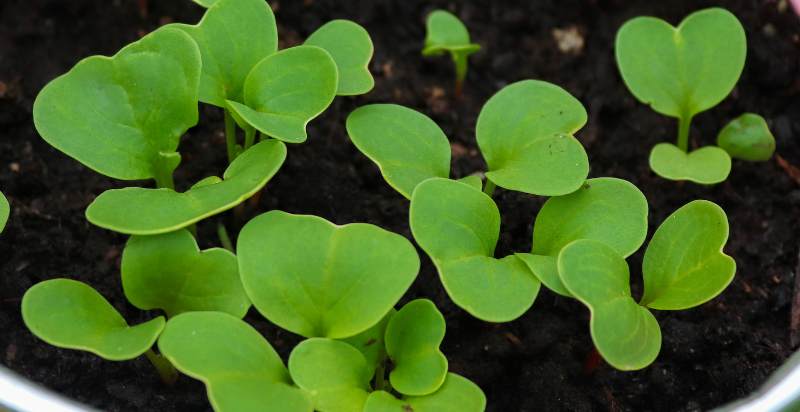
(710, 355)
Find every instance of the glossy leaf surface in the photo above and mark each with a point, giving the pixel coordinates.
(351, 48)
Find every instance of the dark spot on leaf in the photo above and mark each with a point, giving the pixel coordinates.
(407, 408)
(370, 341)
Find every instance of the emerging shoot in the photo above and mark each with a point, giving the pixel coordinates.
(447, 34)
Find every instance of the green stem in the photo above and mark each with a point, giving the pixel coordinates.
(222, 232)
(489, 187)
(460, 60)
(164, 179)
(249, 136)
(684, 122)
(380, 376)
(230, 136)
(164, 368)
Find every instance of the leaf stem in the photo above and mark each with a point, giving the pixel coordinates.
(164, 179)
(489, 187)
(222, 232)
(163, 366)
(380, 376)
(249, 136)
(230, 136)
(460, 60)
(684, 122)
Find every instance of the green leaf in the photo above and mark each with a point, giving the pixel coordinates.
(233, 36)
(169, 272)
(457, 394)
(747, 137)
(334, 374)
(412, 343)
(351, 48)
(240, 369)
(123, 116)
(707, 165)
(407, 145)
(286, 90)
(70, 314)
(5, 211)
(205, 3)
(458, 226)
(446, 33)
(685, 70)
(371, 342)
(684, 265)
(317, 279)
(473, 180)
(606, 209)
(626, 334)
(139, 211)
(525, 134)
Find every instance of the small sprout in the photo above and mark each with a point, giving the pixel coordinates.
(406, 145)
(696, 65)
(140, 211)
(458, 227)
(5, 211)
(446, 33)
(351, 48)
(334, 374)
(123, 116)
(171, 273)
(457, 394)
(683, 267)
(70, 314)
(525, 134)
(413, 337)
(747, 137)
(609, 210)
(317, 279)
(241, 370)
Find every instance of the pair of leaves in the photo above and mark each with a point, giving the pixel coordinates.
(446, 33)
(683, 267)
(524, 132)
(681, 72)
(458, 226)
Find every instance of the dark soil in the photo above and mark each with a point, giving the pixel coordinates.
(710, 355)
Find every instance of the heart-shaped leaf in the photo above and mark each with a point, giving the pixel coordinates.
(286, 90)
(317, 279)
(70, 314)
(139, 211)
(241, 370)
(684, 265)
(413, 337)
(458, 226)
(334, 374)
(351, 48)
(685, 70)
(407, 145)
(707, 165)
(525, 134)
(371, 342)
(123, 116)
(446, 33)
(606, 209)
(457, 394)
(747, 137)
(5, 211)
(626, 335)
(233, 36)
(169, 272)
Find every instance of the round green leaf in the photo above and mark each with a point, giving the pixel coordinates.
(458, 226)
(140, 211)
(317, 279)
(334, 374)
(123, 116)
(626, 335)
(371, 342)
(241, 370)
(413, 337)
(684, 265)
(5, 211)
(70, 314)
(351, 48)
(407, 145)
(707, 165)
(169, 272)
(457, 394)
(286, 90)
(525, 134)
(747, 137)
(685, 70)
(233, 36)
(610, 210)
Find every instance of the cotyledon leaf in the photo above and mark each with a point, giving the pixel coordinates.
(5, 211)
(457, 394)
(747, 137)
(140, 211)
(707, 165)
(351, 48)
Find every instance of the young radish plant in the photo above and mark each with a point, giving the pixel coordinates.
(697, 65)
(447, 34)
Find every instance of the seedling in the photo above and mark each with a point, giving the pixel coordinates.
(681, 72)
(747, 137)
(683, 267)
(524, 132)
(447, 34)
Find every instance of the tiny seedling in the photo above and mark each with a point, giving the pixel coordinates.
(747, 137)
(681, 72)
(447, 34)
(683, 267)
